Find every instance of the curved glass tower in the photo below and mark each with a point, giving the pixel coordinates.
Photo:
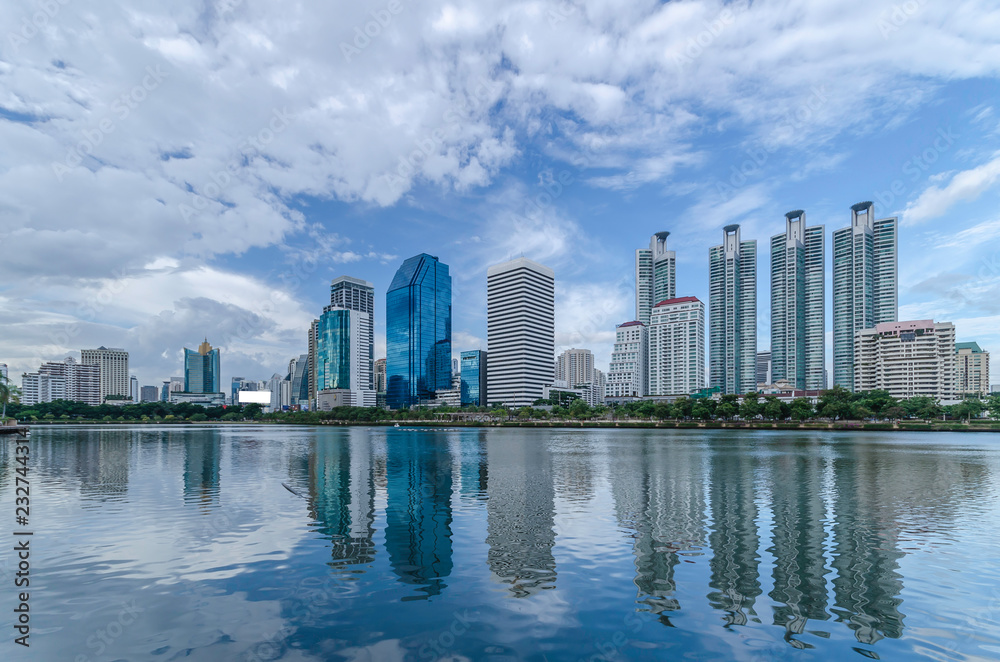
(418, 332)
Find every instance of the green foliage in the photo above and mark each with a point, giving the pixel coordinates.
(199, 417)
(751, 407)
(802, 409)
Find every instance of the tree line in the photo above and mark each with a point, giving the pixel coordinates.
(837, 404)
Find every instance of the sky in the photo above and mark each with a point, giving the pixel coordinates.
(172, 172)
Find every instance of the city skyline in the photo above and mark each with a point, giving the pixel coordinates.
(192, 230)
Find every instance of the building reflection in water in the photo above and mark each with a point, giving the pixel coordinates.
(734, 540)
(866, 555)
(473, 470)
(418, 510)
(520, 514)
(797, 542)
(660, 500)
(342, 496)
(202, 456)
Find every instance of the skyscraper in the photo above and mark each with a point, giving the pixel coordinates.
(764, 368)
(356, 294)
(311, 367)
(473, 383)
(677, 347)
(655, 276)
(628, 371)
(575, 366)
(342, 359)
(732, 297)
(298, 375)
(520, 331)
(798, 324)
(864, 283)
(201, 369)
(133, 387)
(113, 364)
(973, 370)
(418, 332)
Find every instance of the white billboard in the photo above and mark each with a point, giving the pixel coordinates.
(260, 397)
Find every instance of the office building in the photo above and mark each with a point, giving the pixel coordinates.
(798, 331)
(356, 294)
(764, 368)
(575, 366)
(149, 394)
(677, 347)
(864, 283)
(418, 332)
(973, 363)
(342, 359)
(628, 371)
(62, 380)
(520, 331)
(732, 304)
(655, 276)
(3, 371)
(906, 359)
(473, 378)
(311, 368)
(455, 369)
(380, 384)
(202, 369)
(298, 379)
(113, 364)
(134, 389)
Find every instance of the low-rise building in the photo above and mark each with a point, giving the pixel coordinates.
(627, 371)
(973, 363)
(62, 380)
(906, 359)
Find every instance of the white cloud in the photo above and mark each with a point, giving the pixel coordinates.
(967, 185)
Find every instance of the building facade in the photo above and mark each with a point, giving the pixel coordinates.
(520, 331)
(380, 383)
(764, 368)
(298, 380)
(149, 394)
(864, 283)
(62, 380)
(628, 372)
(906, 359)
(732, 306)
(575, 366)
(798, 318)
(357, 294)
(473, 378)
(677, 347)
(418, 332)
(202, 369)
(973, 364)
(311, 365)
(342, 353)
(655, 275)
(113, 364)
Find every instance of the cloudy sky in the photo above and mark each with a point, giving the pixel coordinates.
(182, 170)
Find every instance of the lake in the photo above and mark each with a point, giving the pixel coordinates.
(369, 544)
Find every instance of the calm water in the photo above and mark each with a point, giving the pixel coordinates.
(168, 544)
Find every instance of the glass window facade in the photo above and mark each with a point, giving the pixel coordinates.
(333, 350)
(473, 372)
(201, 370)
(418, 332)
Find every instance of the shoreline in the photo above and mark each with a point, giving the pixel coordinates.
(846, 426)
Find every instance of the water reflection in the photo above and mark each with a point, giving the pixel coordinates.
(798, 541)
(663, 509)
(798, 537)
(342, 499)
(520, 515)
(202, 456)
(418, 511)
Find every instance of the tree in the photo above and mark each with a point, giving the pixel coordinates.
(252, 410)
(702, 410)
(579, 409)
(751, 407)
(993, 404)
(772, 408)
(895, 413)
(4, 394)
(802, 409)
(525, 413)
(835, 403)
(726, 409)
(199, 417)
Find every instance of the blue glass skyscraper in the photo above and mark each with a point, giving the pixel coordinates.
(201, 369)
(473, 382)
(418, 332)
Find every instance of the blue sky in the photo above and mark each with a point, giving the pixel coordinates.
(205, 169)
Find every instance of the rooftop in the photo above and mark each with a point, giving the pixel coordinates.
(668, 302)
